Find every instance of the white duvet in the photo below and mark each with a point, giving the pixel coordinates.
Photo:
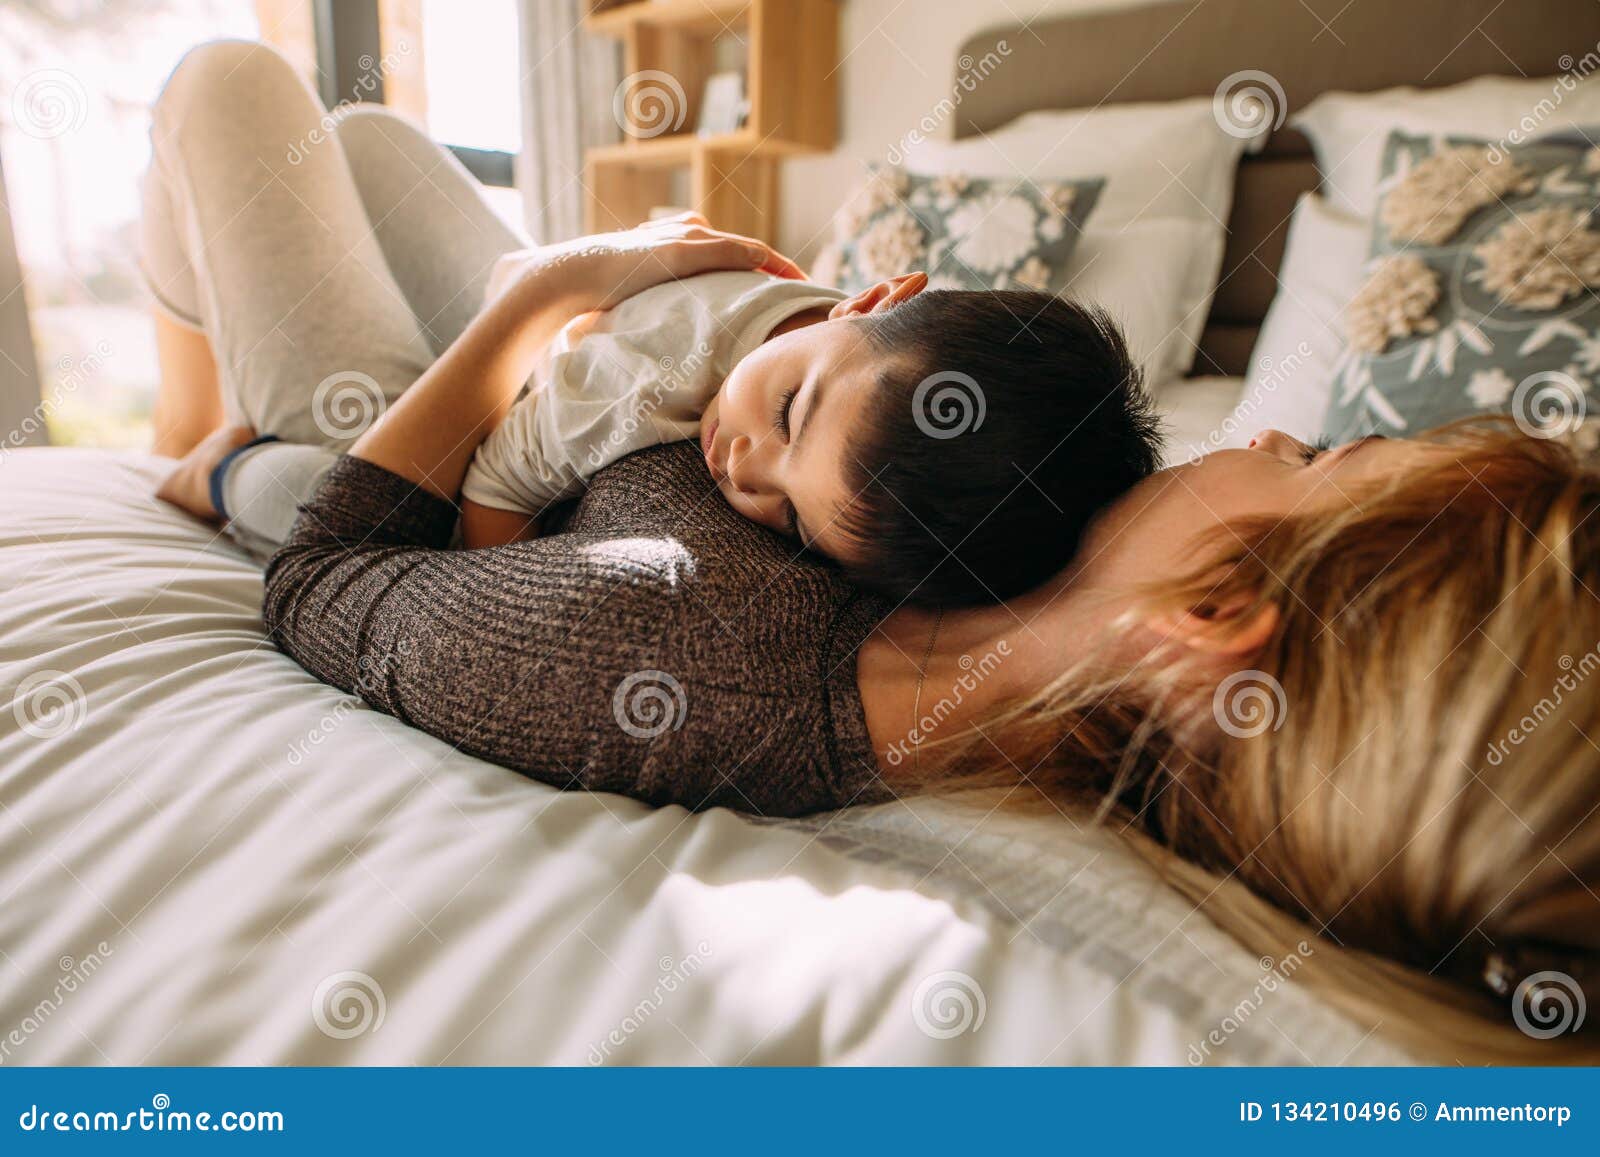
(206, 856)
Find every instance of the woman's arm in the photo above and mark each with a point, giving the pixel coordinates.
(513, 652)
(558, 657)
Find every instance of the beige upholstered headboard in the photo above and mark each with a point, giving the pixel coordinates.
(1168, 51)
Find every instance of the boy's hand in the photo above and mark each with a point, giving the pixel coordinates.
(600, 271)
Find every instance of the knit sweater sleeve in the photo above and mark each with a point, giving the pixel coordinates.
(600, 657)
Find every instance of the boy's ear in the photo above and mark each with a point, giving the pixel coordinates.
(1234, 630)
(884, 295)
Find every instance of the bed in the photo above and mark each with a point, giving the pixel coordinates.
(208, 857)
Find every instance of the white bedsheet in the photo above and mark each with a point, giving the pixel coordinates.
(208, 857)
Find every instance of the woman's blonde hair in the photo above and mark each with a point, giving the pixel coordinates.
(1407, 775)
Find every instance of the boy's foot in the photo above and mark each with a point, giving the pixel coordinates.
(189, 486)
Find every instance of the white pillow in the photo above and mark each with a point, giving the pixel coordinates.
(1156, 235)
(1302, 338)
(1191, 412)
(1137, 273)
(1348, 129)
(1166, 159)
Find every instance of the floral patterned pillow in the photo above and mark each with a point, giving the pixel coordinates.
(967, 232)
(1483, 291)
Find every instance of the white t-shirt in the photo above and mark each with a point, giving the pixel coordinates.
(622, 379)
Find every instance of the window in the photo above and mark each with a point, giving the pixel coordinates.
(74, 133)
(471, 71)
(472, 84)
(452, 67)
(74, 141)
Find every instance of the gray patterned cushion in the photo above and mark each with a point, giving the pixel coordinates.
(1482, 291)
(967, 232)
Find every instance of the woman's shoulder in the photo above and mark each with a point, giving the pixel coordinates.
(665, 492)
(766, 633)
(659, 506)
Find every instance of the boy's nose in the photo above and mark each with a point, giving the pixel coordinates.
(743, 468)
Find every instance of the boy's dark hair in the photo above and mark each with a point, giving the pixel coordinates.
(1003, 422)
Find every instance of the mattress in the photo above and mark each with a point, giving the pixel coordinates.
(208, 857)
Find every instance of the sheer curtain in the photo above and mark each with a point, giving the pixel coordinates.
(21, 408)
(568, 79)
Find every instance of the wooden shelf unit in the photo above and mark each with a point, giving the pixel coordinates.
(791, 51)
(614, 19)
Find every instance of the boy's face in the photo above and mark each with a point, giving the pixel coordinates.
(776, 435)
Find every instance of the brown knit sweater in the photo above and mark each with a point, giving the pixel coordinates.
(656, 645)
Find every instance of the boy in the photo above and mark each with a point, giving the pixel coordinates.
(943, 447)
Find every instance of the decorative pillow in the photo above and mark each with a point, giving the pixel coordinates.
(1348, 130)
(1481, 294)
(967, 232)
(1152, 251)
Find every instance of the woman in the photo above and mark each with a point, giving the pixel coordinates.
(1339, 695)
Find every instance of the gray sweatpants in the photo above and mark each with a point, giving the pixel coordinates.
(328, 258)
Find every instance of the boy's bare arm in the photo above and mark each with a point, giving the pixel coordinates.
(483, 526)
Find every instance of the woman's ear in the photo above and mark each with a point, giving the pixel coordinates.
(1235, 630)
(884, 295)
